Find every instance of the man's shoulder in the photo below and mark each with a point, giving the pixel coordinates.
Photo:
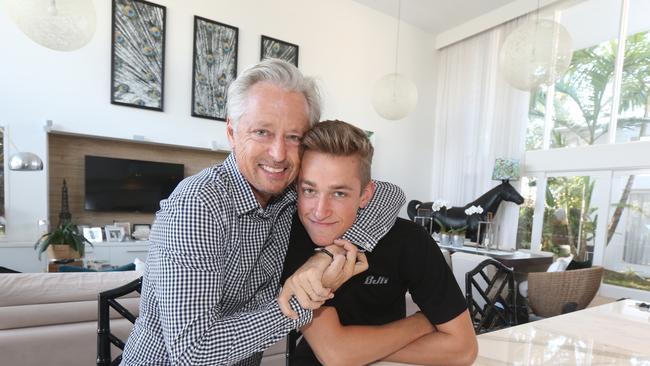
(213, 183)
(404, 228)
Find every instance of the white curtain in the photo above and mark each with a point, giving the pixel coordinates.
(478, 118)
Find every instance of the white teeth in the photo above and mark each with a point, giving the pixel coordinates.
(272, 170)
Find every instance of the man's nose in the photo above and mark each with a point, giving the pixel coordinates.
(323, 208)
(278, 149)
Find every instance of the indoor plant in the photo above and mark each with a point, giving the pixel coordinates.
(458, 236)
(64, 242)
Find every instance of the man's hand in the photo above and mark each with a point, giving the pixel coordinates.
(306, 285)
(348, 262)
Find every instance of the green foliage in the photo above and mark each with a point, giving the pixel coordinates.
(458, 231)
(67, 234)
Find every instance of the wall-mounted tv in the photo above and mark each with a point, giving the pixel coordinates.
(128, 185)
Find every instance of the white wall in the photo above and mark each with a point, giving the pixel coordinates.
(346, 45)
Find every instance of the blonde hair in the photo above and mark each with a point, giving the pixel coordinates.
(340, 138)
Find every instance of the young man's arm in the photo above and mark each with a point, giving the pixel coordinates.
(454, 343)
(335, 344)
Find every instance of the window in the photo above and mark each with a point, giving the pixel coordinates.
(526, 212)
(3, 222)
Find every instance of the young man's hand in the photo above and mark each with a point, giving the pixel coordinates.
(314, 282)
(348, 262)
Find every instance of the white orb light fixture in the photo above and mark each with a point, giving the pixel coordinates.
(394, 96)
(537, 53)
(61, 25)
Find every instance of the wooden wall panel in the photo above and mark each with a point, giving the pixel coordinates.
(66, 161)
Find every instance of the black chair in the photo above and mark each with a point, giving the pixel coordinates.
(497, 292)
(106, 301)
(292, 340)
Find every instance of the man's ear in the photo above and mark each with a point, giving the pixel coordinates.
(230, 132)
(367, 193)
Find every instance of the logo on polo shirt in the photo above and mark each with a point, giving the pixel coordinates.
(375, 280)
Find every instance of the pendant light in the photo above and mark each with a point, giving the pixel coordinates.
(536, 53)
(61, 25)
(394, 95)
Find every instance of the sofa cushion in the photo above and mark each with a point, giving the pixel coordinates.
(20, 316)
(41, 288)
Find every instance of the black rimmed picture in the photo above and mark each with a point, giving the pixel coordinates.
(214, 67)
(138, 54)
(275, 48)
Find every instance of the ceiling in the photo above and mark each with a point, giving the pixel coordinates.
(435, 16)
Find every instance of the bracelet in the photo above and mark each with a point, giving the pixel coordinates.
(325, 251)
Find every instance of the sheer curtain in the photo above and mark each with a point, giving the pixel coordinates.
(478, 118)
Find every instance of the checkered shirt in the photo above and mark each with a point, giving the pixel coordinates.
(213, 269)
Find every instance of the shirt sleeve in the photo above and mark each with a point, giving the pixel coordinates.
(188, 277)
(378, 217)
(430, 281)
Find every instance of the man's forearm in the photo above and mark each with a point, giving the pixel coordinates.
(334, 344)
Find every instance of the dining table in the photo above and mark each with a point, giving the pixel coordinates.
(616, 333)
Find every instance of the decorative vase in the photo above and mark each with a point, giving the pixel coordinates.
(62, 251)
(458, 240)
(445, 239)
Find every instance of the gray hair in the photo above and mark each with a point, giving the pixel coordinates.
(279, 73)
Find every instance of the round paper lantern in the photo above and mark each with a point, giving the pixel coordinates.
(536, 53)
(394, 96)
(63, 25)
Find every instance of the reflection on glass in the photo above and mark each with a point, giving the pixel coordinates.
(634, 108)
(3, 223)
(526, 211)
(627, 254)
(569, 217)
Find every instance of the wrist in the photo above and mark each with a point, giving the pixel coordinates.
(324, 251)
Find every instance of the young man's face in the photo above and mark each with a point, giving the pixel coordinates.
(266, 142)
(329, 194)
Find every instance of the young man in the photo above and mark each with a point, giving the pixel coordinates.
(365, 321)
(210, 291)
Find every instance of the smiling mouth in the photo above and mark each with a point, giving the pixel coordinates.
(321, 223)
(272, 170)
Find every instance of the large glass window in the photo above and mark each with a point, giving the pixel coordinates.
(627, 252)
(2, 183)
(526, 212)
(570, 216)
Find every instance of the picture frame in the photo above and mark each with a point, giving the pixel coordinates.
(126, 226)
(138, 54)
(93, 234)
(276, 48)
(141, 231)
(214, 67)
(114, 233)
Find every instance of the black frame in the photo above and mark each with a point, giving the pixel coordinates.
(282, 43)
(219, 61)
(159, 83)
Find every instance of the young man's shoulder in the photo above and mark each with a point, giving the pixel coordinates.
(406, 229)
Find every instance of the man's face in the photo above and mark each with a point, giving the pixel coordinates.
(267, 140)
(329, 194)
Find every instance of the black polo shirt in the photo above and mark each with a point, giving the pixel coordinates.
(406, 258)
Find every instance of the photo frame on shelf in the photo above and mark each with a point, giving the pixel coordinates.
(126, 226)
(214, 67)
(276, 48)
(93, 234)
(114, 233)
(141, 231)
(138, 54)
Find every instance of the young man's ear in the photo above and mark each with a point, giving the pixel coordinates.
(367, 193)
(230, 132)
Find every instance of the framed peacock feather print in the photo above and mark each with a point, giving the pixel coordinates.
(138, 54)
(275, 48)
(214, 67)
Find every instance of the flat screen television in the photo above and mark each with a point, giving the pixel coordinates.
(128, 185)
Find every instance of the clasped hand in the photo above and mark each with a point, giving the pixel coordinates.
(316, 280)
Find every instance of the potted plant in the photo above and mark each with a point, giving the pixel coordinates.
(65, 242)
(458, 236)
(445, 239)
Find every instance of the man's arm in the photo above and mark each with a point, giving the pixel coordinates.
(335, 344)
(187, 275)
(454, 343)
(376, 219)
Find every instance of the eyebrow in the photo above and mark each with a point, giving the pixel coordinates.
(341, 187)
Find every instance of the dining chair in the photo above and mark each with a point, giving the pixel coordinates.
(491, 296)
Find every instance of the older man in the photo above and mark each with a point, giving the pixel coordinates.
(366, 320)
(210, 292)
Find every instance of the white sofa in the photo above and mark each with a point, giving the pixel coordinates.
(51, 318)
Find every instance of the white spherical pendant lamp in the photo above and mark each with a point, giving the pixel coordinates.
(537, 53)
(394, 96)
(61, 25)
